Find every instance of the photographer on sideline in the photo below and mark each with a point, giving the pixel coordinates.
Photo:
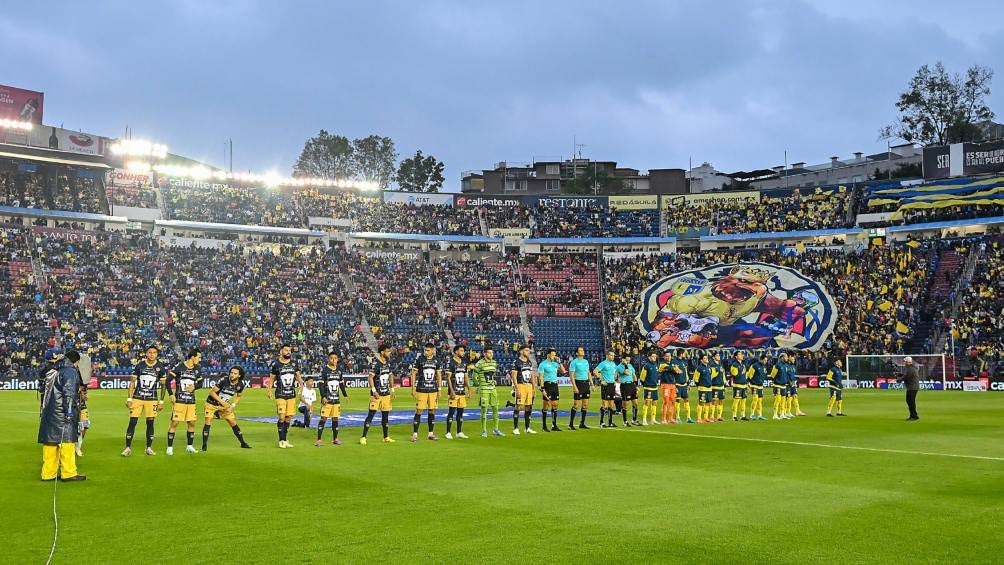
(910, 377)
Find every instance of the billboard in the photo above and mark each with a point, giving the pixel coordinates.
(705, 198)
(512, 236)
(963, 159)
(464, 201)
(748, 305)
(125, 178)
(418, 198)
(567, 201)
(21, 105)
(640, 202)
(68, 140)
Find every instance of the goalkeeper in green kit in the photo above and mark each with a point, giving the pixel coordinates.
(483, 373)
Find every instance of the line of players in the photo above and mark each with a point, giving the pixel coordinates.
(662, 382)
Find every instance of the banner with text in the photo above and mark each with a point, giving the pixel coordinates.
(512, 236)
(640, 202)
(418, 198)
(128, 179)
(459, 255)
(464, 201)
(963, 159)
(67, 140)
(567, 201)
(705, 198)
(21, 105)
(66, 234)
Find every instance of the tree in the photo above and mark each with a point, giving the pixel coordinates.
(326, 156)
(421, 173)
(939, 109)
(375, 159)
(591, 180)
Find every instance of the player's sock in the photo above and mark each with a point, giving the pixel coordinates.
(149, 433)
(334, 428)
(278, 428)
(840, 406)
(416, 423)
(170, 439)
(431, 420)
(320, 428)
(798, 407)
(190, 436)
(624, 414)
(236, 430)
(130, 430)
(484, 418)
(515, 418)
(527, 416)
(205, 436)
(582, 417)
(634, 412)
(829, 405)
(495, 416)
(554, 417)
(368, 422)
(735, 407)
(742, 406)
(449, 419)
(384, 423)
(460, 420)
(543, 417)
(571, 420)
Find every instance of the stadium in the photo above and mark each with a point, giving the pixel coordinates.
(366, 366)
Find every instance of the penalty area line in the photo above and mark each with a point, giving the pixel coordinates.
(814, 444)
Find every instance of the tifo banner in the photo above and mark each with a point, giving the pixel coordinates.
(464, 201)
(67, 140)
(66, 234)
(743, 305)
(21, 105)
(481, 256)
(641, 202)
(512, 236)
(126, 178)
(418, 198)
(567, 201)
(705, 198)
(963, 159)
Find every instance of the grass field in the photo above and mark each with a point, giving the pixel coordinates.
(868, 488)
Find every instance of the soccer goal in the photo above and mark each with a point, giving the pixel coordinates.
(878, 371)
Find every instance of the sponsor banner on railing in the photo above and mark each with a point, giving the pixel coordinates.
(461, 255)
(391, 254)
(512, 236)
(198, 242)
(66, 234)
(330, 222)
(134, 213)
(418, 198)
(704, 198)
(464, 201)
(68, 140)
(963, 159)
(567, 201)
(129, 179)
(640, 202)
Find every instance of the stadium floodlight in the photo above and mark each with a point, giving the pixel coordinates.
(139, 148)
(16, 124)
(138, 166)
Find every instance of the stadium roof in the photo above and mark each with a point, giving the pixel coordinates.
(424, 237)
(600, 240)
(210, 226)
(948, 224)
(62, 215)
(55, 160)
(782, 235)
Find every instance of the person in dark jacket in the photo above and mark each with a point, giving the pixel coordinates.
(910, 377)
(57, 424)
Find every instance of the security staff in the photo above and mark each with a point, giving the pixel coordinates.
(57, 424)
(910, 377)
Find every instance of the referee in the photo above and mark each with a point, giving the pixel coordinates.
(910, 377)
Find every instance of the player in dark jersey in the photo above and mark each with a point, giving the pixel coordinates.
(146, 379)
(285, 378)
(332, 388)
(381, 393)
(180, 385)
(222, 400)
(426, 378)
(458, 382)
(524, 382)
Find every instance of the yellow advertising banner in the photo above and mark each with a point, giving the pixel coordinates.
(640, 202)
(512, 236)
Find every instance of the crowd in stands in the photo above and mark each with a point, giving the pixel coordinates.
(977, 327)
(562, 285)
(25, 329)
(63, 191)
(595, 222)
(771, 214)
(949, 213)
(136, 196)
(373, 215)
(507, 217)
(21, 190)
(232, 205)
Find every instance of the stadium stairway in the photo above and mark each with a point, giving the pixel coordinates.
(363, 322)
(444, 313)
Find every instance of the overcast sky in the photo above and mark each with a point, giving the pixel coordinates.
(648, 84)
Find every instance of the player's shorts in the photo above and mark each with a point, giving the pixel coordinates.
(580, 390)
(85, 420)
(144, 409)
(213, 410)
(792, 390)
(285, 407)
(183, 412)
(719, 393)
(781, 391)
(668, 392)
(426, 400)
(381, 403)
(331, 410)
(683, 392)
(551, 390)
(629, 391)
(756, 391)
(650, 393)
(524, 394)
(839, 393)
(739, 392)
(488, 398)
(609, 391)
(458, 401)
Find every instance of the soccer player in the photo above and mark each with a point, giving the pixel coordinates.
(757, 377)
(381, 393)
(524, 381)
(484, 378)
(717, 387)
(285, 378)
(681, 376)
(779, 378)
(549, 369)
(835, 378)
(308, 396)
(667, 388)
(85, 420)
(142, 397)
(332, 388)
(705, 398)
(223, 399)
(740, 385)
(581, 387)
(426, 378)
(794, 408)
(649, 378)
(180, 385)
(459, 386)
(606, 372)
(627, 378)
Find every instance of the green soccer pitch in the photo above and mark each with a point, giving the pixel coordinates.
(868, 488)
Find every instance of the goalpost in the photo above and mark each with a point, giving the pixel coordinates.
(877, 371)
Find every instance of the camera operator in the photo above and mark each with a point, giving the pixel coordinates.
(910, 377)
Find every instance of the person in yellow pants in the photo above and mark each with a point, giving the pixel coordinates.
(57, 426)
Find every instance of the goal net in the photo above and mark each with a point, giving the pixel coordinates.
(881, 371)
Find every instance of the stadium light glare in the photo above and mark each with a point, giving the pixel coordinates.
(138, 166)
(16, 124)
(139, 148)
